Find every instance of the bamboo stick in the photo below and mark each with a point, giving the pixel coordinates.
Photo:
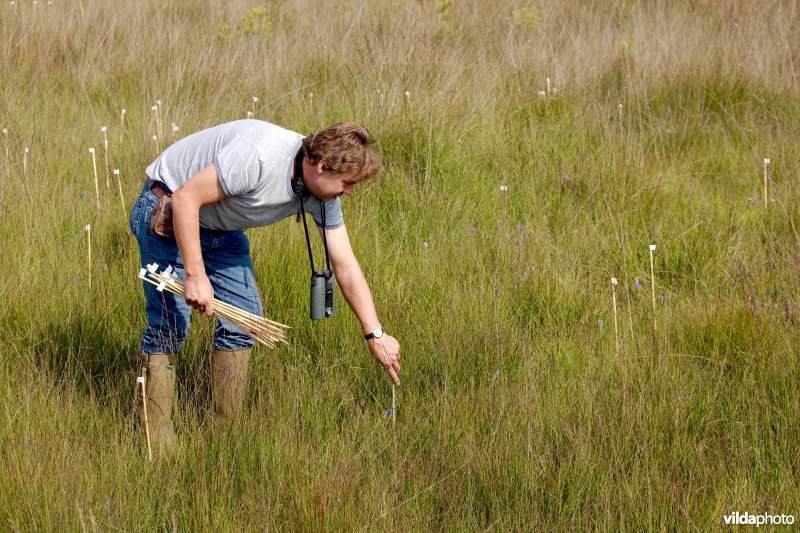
(616, 321)
(96, 186)
(104, 131)
(143, 380)
(264, 331)
(119, 187)
(653, 284)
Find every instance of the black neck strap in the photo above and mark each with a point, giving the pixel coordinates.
(299, 189)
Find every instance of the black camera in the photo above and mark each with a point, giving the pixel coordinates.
(321, 294)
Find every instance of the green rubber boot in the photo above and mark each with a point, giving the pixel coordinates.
(229, 381)
(159, 372)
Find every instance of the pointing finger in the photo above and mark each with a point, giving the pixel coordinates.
(393, 375)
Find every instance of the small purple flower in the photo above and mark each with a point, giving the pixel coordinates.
(519, 226)
(637, 284)
(472, 230)
(661, 297)
(496, 373)
(600, 323)
(83, 195)
(387, 412)
(425, 244)
(496, 290)
(496, 223)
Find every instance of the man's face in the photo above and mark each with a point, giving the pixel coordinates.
(327, 185)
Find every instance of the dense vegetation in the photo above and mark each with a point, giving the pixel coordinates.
(613, 124)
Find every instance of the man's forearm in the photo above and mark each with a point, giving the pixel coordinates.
(359, 298)
(186, 225)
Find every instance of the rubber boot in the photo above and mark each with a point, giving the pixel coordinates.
(160, 387)
(229, 380)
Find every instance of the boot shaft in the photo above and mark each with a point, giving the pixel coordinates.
(229, 370)
(158, 371)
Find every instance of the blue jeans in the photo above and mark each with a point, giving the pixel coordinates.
(226, 255)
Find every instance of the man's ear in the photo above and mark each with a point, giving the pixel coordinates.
(320, 166)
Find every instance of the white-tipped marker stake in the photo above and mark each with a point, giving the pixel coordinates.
(255, 101)
(549, 93)
(158, 146)
(25, 163)
(96, 184)
(616, 322)
(143, 380)
(504, 189)
(249, 114)
(158, 120)
(766, 174)
(88, 230)
(8, 159)
(104, 130)
(122, 113)
(620, 112)
(653, 283)
(119, 187)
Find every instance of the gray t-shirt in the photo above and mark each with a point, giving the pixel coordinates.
(254, 161)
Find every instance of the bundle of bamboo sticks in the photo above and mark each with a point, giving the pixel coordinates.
(267, 332)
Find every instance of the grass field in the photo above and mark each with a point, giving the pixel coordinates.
(519, 409)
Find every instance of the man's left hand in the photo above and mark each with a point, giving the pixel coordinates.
(386, 351)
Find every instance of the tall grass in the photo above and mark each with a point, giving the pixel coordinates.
(515, 412)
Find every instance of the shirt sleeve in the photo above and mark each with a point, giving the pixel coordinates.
(333, 212)
(238, 167)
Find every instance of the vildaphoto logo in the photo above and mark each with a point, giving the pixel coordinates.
(758, 520)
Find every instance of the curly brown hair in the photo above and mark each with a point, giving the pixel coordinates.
(344, 147)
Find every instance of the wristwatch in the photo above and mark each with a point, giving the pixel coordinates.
(377, 333)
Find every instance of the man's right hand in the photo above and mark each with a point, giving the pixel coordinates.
(199, 293)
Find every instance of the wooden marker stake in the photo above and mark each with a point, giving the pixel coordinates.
(122, 114)
(766, 174)
(25, 164)
(616, 322)
(96, 184)
(8, 159)
(104, 130)
(88, 230)
(160, 132)
(255, 101)
(119, 187)
(143, 380)
(653, 284)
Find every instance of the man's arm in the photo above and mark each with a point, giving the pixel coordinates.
(386, 349)
(201, 189)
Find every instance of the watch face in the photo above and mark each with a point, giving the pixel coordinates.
(378, 333)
